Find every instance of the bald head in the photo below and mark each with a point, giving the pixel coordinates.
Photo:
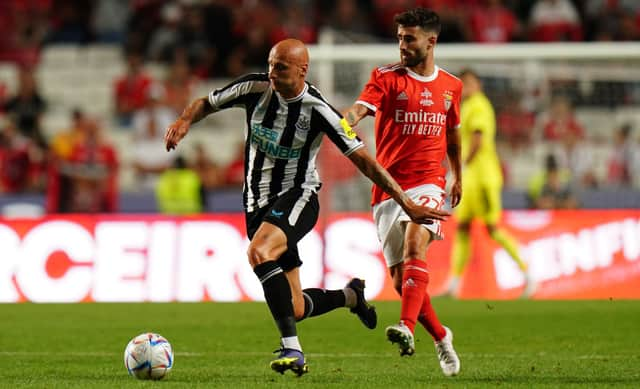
(288, 65)
(292, 49)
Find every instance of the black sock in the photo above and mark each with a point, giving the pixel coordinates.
(320, 301)
(278, 296)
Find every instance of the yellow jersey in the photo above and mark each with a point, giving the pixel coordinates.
(477, 114)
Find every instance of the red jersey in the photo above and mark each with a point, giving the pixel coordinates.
(413, 114)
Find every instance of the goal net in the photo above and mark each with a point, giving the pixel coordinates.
(599, 82)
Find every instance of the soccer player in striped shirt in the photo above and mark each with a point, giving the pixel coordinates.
(286, 118)
(417, 114)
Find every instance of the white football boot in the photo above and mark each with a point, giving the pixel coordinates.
(401, 334)
(449, 361)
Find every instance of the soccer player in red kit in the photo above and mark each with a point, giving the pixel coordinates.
(417, 114)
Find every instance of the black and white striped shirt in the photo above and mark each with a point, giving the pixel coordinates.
(282, 136)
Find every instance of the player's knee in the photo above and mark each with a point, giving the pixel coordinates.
(256, 254)
(414, 253)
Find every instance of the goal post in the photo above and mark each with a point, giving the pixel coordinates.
(602, 80)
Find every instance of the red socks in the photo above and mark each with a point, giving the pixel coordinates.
(429, 319)
(414, 288)
(416, 303)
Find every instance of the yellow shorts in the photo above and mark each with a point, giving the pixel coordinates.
(480, 202)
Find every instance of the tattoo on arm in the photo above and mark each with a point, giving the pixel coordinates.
(351, 118)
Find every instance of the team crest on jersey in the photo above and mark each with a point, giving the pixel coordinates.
(303, 123)
(426, 98)
(402, 96)
(448, 98)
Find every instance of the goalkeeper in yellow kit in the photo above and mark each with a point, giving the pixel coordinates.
(481, 180)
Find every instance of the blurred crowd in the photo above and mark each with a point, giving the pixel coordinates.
(226, 37)
(78, 167)
(204, 39)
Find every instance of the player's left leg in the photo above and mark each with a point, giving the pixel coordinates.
(267, 244)
(273, 253)
(316, 301)
(411, 282)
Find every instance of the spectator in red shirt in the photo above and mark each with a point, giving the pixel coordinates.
(554, 20)
(90, 184)
(561, 120)
(131, 90)
(18, 172)
(515, 124)
(492, 22)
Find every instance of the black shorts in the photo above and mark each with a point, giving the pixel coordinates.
(295, 213)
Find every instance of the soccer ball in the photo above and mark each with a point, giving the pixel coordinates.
(148, 356)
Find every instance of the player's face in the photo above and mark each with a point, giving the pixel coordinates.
(414, 45)
(285, 75)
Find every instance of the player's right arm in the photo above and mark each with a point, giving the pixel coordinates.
(196, 111)
(236, 93)
(381, 177)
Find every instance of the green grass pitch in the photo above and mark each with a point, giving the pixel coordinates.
(505, 344)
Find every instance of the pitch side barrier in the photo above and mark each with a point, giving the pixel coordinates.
(78, 258)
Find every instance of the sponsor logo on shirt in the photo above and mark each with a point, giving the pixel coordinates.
(426, 98)
(266, 140)
(421, 122)
(402, 96)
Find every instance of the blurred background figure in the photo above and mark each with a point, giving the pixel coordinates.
(179, 85)
(621, 160)
(481, 182)
(131, 89)
(64, 141)
(573, 155)
(149, 124)
(560, 119)
(515, 123)
(20, 160)
(27, 107)
(179, 190)
(88, 180)
(554, 20)
(551, 189)
(492, 22)
(233, 174)
(211, 175)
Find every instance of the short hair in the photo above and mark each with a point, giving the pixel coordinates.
(424, 18)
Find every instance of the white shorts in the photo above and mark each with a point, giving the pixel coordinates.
(391, 220)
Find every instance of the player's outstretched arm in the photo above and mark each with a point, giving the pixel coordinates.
(196, 111)
(372, 169)
(355, 113)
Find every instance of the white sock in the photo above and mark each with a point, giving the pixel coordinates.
(291, 342)
(350, 297)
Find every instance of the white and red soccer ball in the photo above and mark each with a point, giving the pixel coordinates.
(148, 356)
